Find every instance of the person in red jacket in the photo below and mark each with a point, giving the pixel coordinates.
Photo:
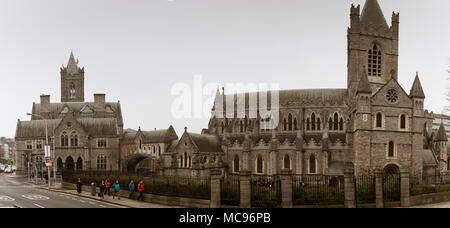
(140, 189)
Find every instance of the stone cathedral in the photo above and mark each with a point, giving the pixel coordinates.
(372, 125)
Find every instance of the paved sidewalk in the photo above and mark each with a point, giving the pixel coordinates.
(123, 201)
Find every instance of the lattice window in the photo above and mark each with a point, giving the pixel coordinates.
(374, 61)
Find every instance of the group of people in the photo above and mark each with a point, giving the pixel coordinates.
(105, 188)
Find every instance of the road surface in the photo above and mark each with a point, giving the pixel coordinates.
(17, 193)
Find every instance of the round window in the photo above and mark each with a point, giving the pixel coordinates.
(392, 96)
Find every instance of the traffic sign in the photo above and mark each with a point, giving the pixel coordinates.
(49, 163)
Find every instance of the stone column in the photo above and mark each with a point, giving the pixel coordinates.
(349, 188)
(286, 188)
(379, 189)
(216, 179)
(404, 189)
(245, 189)
(299, 163)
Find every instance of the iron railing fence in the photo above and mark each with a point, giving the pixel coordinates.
(317, 190)
(265, 191)
(391, 188)
(176, 186)
(230, 190)
(365, 189)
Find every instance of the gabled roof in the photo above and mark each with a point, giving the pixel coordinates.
(372, 18)
(35, 128)
(156, 136)
(94, 127)
(204, 143)
(428, 158)
(76, 107)
(417, 90)
(441, 135)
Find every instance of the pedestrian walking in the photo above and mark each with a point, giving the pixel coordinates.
(79, 185)
(131, 188)
(116, 190)
(108, 187)
(101, 194)
(141, 191)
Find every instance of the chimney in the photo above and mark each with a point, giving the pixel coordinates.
(45, 106)
(99, 105)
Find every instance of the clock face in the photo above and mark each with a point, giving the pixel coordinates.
(392, 96)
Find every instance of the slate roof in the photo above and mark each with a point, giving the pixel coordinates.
(159, 135)
(206, 143)
(372, 18)
(36, 128)
(428, 158)
(300, 97)
(417, 90)
(364, 85)
(441, 135)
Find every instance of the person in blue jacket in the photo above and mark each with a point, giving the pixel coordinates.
(116, 190)
(131, 188)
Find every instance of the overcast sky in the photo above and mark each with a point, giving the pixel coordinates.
(135, 51)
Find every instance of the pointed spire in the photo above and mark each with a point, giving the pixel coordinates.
(364, 85)
(72, 65)
(417, 90)
(441, 135)
(372, 18)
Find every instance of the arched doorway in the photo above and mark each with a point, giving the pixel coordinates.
(70, 164)
(80, 164)
(132, 162)
(59, 164)
(391, 170)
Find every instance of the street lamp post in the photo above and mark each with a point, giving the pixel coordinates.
(46, 144)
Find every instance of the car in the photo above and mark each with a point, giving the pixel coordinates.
(8, 170)
(13, 168)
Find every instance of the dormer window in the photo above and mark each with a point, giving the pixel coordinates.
(374, 62)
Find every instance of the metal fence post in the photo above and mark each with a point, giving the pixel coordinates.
(349, 188)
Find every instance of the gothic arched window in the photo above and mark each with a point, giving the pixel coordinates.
(259, 164)
(312, 164)
(236, 164)
(330, 124)
(313, 122)
(336, 121)
(318, 124)
(287, 162)
(391, 149)
(285, 125)
(374, 61)
(341, 124)
(72, 92)
(295, 124)
(308, 125)
(379, 120)
(403, 122)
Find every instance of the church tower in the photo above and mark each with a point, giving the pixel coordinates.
(372, 47)
(72, 81)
